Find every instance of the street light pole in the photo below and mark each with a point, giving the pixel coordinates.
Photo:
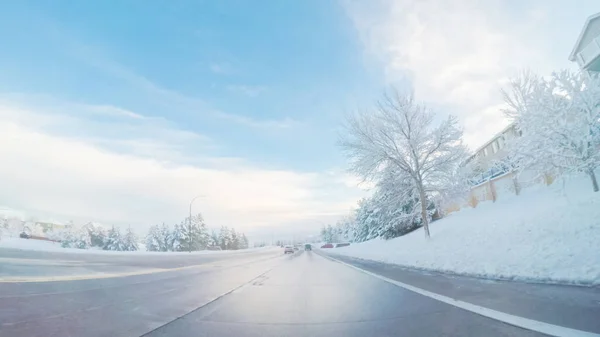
(190, 223)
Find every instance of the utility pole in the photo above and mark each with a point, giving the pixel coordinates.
(190, 223)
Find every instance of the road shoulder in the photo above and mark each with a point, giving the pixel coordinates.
(572, 307)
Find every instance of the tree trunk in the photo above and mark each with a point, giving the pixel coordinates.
(594, 181)
(424, 209)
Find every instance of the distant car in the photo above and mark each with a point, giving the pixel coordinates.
(307, 246)
(327, 245)
(214, 248)
(344, 244)
(288, 249)
(296, 248)
(24, 235)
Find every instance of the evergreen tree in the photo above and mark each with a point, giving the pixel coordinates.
(235, 240)
(214, 238)
(96, 233)
(244, 242)
(130, 241)
(175, 239)
(74, 237)
(194, 233)
(114, 240)
(224, 237)
(164, 238)
(153, 239)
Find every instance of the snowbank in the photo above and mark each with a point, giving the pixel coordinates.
(547, 234)
(48, 246)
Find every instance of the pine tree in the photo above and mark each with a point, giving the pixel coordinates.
(214, 238)
(114, 240)
(224, 237)
(153, 239)
(67, 237)
(96, 233)
(235, 240)
(244, 242)
(194, 233)
(74, 237)
(175, 239)
(164, 238)
(130, 241)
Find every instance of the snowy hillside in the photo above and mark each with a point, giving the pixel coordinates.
(547, 234)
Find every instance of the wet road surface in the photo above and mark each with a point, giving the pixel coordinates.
(249, 294)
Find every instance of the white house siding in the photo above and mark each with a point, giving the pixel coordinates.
(592, 31)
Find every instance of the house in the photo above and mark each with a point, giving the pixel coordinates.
(488, 156)
(586, 51)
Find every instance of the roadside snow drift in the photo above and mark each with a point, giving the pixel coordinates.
(547, 234)
(48, 246)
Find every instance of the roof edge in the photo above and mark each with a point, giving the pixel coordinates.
(578, 42)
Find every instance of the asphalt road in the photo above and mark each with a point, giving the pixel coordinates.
(264, 293)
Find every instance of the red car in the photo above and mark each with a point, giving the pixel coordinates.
(327, 245)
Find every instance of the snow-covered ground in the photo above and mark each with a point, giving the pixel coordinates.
(48, 246)
(547, 234)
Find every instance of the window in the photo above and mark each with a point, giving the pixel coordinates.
(495, 147)
(485, 152)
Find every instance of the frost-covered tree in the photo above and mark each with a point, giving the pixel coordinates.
(224, 237)
(214, 238)
(164, 238)
(75, 237)
(175, 239)
(398, 206)
(399, 133)
(235, 240)
(244, 242)
(153, 239)
(194, 233)
(96, 233)
(559, 121)
(130, 241)
(114, 240)
(328, 233)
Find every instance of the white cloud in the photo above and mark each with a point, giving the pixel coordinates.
(457, 54)
(49, 174)
(248, 90)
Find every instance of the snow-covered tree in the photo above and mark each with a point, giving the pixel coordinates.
(244, 242)
(400, 134)
(96, 233)
(559, 121)
(224, 238)
(175, 239)
(153, 239)
(114, 240)
(194, 233)
(164, 238)
(74, 237)
(328, 233)
(214, 238)
(130, 241)
(235, 240)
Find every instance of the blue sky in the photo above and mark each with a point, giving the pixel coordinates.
(122, 111)
(290, 68)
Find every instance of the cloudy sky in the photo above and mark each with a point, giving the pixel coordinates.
(122, 111)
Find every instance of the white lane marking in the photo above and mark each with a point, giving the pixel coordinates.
(526, 323)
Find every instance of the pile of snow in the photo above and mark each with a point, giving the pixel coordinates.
(546, 234)
(49, 246)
